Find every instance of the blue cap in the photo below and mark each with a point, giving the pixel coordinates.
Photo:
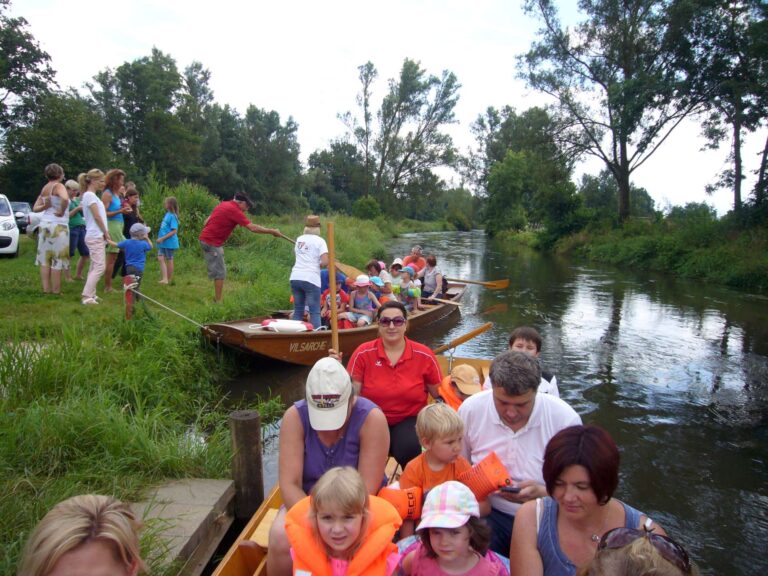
(378, 281)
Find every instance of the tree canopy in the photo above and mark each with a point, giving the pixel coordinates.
(618, 92)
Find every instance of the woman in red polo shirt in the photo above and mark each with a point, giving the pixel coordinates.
(396, 374)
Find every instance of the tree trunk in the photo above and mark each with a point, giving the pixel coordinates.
(737, 164)
(761, 176)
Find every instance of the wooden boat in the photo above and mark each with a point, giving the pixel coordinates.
(248, 555)
(306, 348)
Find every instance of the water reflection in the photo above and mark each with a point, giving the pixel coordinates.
(675, 370)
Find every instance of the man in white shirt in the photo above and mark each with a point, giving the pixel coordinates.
(514, 421)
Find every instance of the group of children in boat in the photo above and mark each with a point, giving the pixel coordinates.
(408, 280)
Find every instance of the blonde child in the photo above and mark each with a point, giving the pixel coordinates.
(453, 539)
(168, 239)
(339, 529)
(362, 302)
(441, 431)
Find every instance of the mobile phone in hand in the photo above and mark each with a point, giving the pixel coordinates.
(510, 489)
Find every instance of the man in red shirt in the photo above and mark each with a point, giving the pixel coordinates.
(217, 228)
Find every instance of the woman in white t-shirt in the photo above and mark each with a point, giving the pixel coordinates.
(53, 240)
(96, 232)
(311, 254)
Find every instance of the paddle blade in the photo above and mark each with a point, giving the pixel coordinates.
(349, 271)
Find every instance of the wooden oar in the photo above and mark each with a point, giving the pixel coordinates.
(349, 271)
(492, 284)
(496, 309)
(461, 339)
(332, 287)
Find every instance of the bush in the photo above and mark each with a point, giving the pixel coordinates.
(366, 208)
(195, 205)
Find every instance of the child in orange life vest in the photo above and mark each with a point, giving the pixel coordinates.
(441, 433)
(454, 541)
(339, 530)
(460, 384)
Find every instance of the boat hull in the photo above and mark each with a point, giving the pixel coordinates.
(306, 348)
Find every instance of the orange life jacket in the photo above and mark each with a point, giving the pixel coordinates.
(449, 395)
(309, 556)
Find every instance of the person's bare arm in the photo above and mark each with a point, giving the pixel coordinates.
(524, 557)
(99, 222)
(374, 450)
(324, 260)
(256, 229)
(291, 458)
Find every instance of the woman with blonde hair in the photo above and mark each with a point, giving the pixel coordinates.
(631, 552)
(53, 241)
(96, 231)
(311, 253)
(88, 534)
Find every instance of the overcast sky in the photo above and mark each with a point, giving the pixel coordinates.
(300, 58)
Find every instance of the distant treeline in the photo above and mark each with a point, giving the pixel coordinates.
(620, 82)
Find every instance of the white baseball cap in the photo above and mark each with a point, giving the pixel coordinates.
(328, 391)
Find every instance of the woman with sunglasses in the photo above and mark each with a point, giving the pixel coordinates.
(553, 536)
(633, 552)
(396, 374)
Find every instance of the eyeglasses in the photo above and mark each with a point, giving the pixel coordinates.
(399, 321)
(670, 550)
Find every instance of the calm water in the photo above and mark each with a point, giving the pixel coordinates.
(676, 371)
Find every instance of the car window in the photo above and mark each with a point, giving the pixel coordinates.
(5, 208)
(21, 207)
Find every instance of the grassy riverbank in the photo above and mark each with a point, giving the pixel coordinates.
(92, 403)
(689, 243)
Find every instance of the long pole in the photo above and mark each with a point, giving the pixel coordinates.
(332, 288)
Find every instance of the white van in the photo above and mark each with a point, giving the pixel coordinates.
(9, 231)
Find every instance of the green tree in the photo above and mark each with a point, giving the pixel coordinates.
(600, 194)
(617, 89)
(499, 131)
(723, 47)
(66, 130)
(407, 138)
(337, 174)
(25, 72)
(139, 101)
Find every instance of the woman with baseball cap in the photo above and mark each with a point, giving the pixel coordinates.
(331, 427)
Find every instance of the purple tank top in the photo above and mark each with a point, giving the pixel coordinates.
(319, 458)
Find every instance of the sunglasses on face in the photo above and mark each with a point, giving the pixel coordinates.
(399, 321)
(670, 550)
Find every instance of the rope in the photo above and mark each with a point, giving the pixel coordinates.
(132, 289)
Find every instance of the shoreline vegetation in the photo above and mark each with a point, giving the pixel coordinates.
(690, 242)
(90, 402)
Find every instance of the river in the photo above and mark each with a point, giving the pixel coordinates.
(675, 370)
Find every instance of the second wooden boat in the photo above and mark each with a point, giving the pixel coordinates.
(306, 348)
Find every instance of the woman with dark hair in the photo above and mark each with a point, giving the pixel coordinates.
(53, 240)
(396, 374)
(553, 536)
